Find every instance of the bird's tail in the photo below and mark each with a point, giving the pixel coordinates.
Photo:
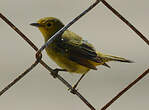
(115, 58)
(106, 58)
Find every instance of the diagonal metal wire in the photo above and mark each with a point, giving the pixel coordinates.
(126, 21)
(18, 78)
(124, 90)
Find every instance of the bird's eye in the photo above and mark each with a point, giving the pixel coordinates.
(49, 24)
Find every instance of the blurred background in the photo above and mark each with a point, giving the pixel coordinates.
(39, 91)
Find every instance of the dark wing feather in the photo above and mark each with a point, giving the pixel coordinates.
(78, 50)
(83, 62)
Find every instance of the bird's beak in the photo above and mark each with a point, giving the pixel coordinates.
(36, 24)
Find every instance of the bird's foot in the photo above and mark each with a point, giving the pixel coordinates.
(73, 90)
(55, 72)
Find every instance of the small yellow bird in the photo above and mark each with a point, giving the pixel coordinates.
(70, 51)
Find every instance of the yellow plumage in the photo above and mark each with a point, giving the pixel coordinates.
(70, 51)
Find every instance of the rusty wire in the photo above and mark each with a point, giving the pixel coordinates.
(125, 89)
(39, 55)
(18, 78)
(126, 21)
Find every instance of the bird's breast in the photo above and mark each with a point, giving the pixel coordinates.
(61, 58)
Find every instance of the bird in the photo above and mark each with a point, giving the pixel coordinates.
(70, 51)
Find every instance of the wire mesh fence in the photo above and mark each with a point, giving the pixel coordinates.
(39, 55)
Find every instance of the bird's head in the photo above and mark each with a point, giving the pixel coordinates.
(48, 26)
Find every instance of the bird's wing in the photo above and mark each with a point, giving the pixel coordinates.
(78, 50)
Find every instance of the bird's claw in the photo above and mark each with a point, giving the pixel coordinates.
(73, 90)
(55, 72)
